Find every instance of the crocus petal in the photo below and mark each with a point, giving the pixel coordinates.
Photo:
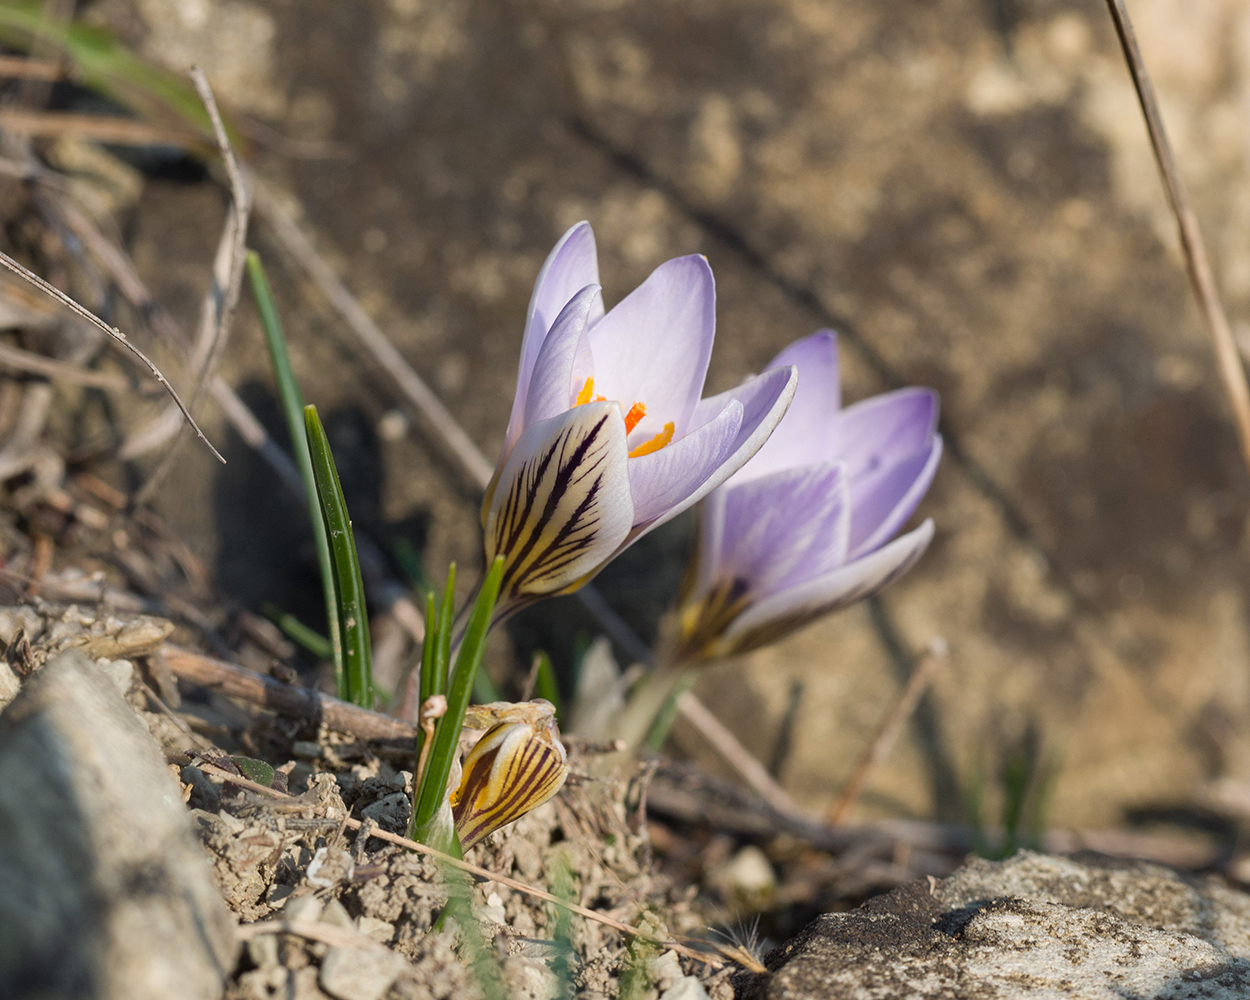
(883, 502)
(874, 431)
(514, 768)
(665, 479)
(550, 385)
(654, 346)
(763, 400)
(804, 435)
(571, 265)
(776, 616)
(788, 527)
(562, 505)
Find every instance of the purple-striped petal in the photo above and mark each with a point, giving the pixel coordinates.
(571, 265)
(561, 505)
(551, 386)
(763, 401)
(653, 347)
(806, 433)
(786, 528)
(777, 616)
(883, 501)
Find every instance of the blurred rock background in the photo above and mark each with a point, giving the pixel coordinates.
(962, 188)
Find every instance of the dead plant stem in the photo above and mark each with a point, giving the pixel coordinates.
(1232, 374)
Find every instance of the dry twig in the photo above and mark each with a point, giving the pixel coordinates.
(102, 128)
(116, 334)
(227, 279)
(1232, 375)
(887, 732)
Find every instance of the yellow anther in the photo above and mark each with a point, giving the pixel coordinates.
(587, 391)
(656, 443)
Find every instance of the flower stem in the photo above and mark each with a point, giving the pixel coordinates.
(647, 703)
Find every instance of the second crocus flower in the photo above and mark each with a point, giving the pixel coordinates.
(807, 526)
(609, 437)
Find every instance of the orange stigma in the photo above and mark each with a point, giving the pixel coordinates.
(635, 414)
(656, 443)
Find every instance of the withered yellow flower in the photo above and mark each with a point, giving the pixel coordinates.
(517, 765)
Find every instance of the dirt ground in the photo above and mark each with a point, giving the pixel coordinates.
(962, 188)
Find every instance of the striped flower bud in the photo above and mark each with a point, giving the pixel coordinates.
(517, 765)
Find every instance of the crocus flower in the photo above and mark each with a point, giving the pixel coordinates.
(805, 527)
(517, 765)
(608, 436)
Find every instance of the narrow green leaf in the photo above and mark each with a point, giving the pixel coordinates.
(545, 685)
(255, 770)
(432, 623)
(447, 624)
(353, 619)
(297, 631)
(433, 789)
(293, 409)
(485, 690)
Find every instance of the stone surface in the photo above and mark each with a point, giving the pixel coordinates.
(1032, 926)
(104, 891)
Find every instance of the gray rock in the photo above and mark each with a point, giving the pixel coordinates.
(104, 891)
(1032, 926)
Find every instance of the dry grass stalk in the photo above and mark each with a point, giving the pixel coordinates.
(100, 128)
(227, 283)
(1232, 375)
(887, 731)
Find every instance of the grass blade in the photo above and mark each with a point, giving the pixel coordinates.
(293, 409)
(545, 685)
(433, 791)
(299, 633)
(446, 617)
(432, 625)
(353, 620)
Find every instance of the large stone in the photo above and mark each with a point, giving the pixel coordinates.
(104, 891)
(1032, 926)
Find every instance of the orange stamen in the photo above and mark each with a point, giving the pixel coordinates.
(656, 443)
(632, 418)
(587, 389)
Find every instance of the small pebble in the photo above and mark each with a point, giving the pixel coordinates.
(358, 974)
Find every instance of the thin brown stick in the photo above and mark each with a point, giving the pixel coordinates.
(1232, 374)
(481, 873)
(23, 68)
(887, 732)
(103, 128)
(227, 278)
(285, 699)
(313, 930)
(64, 371)
(116, 334)
(735, 754)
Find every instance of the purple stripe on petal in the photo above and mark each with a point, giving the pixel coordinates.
(653, 347)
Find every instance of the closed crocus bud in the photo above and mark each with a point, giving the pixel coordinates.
(609, 437)
(807, 526)
(517, 765)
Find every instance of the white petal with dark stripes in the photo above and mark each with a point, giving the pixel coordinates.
(561, 505)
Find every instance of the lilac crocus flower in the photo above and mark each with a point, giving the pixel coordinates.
(805, 527)
(608, 436)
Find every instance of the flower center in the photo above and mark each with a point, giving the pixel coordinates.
(633, 417)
